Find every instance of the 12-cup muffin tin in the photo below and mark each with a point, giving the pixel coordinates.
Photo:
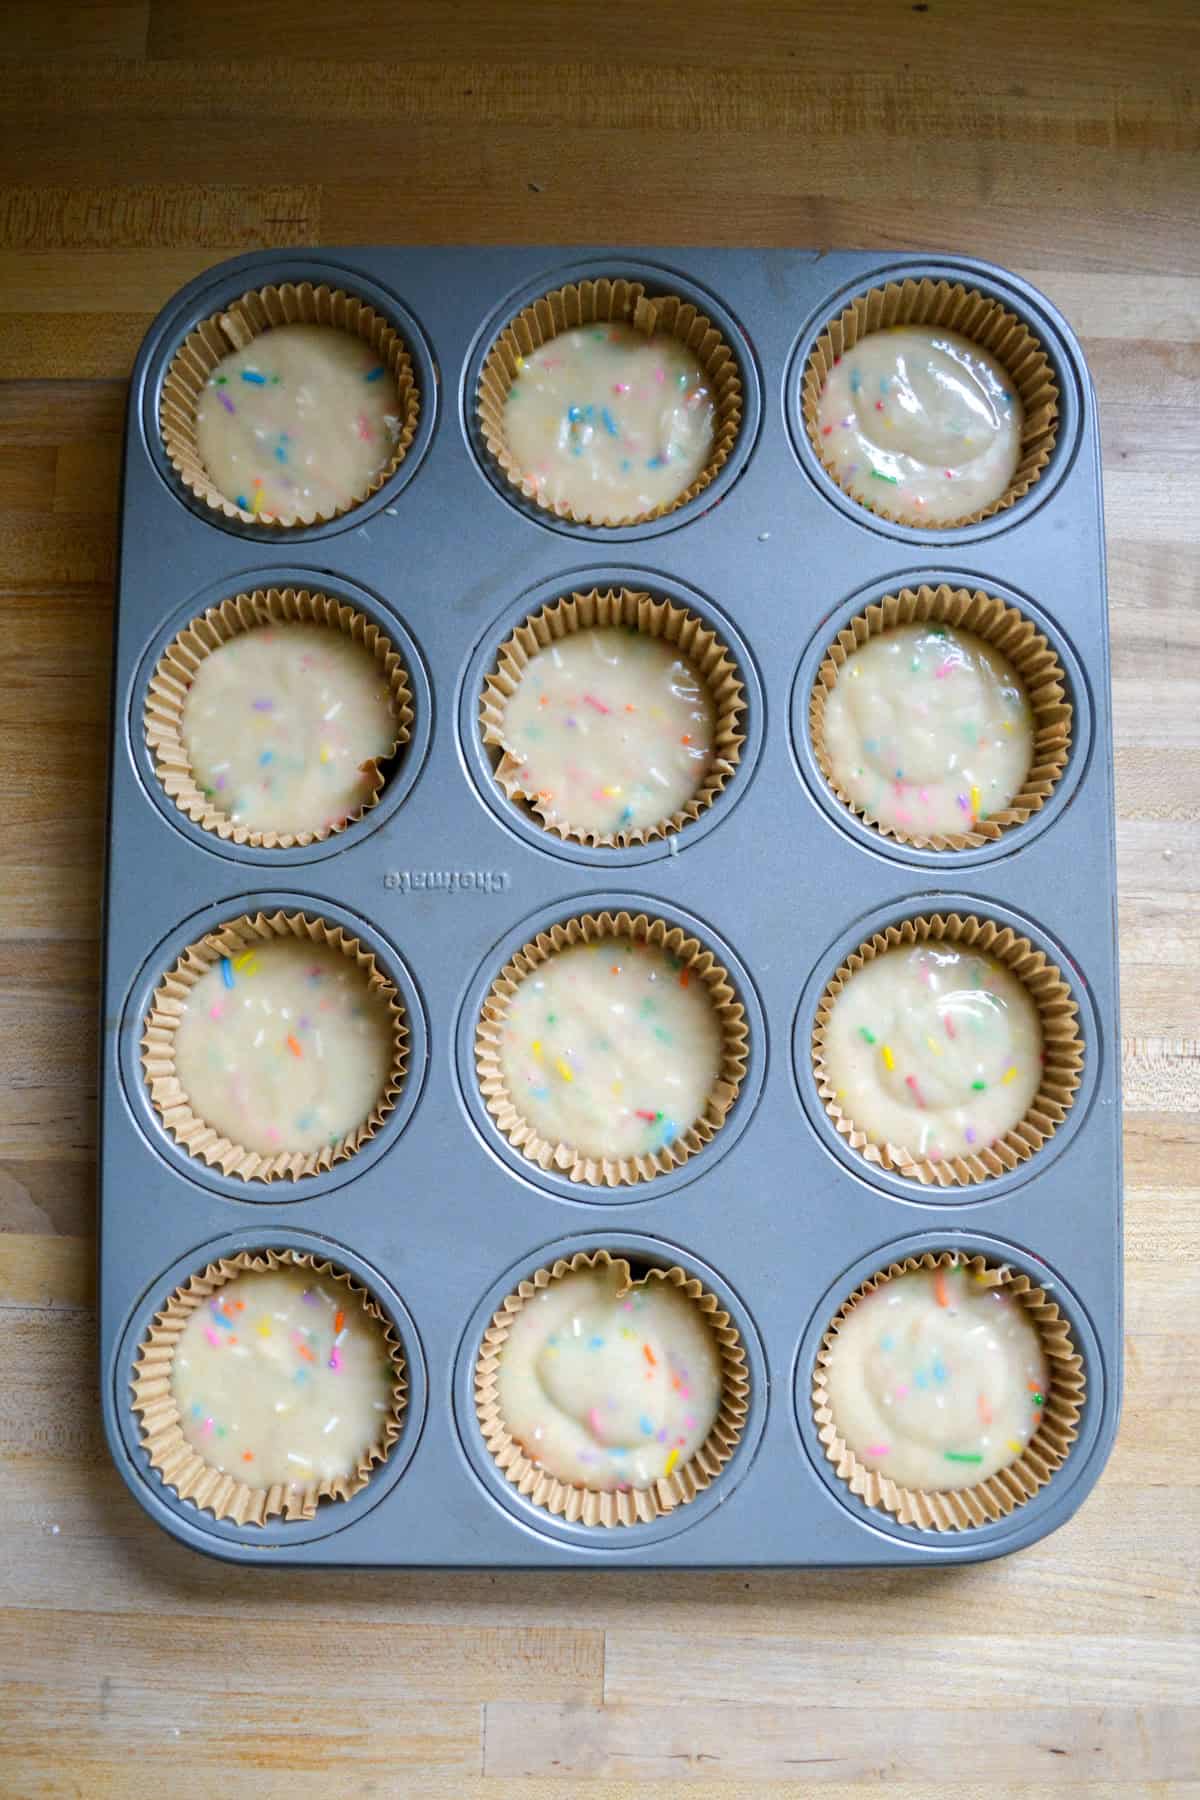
(445, 879)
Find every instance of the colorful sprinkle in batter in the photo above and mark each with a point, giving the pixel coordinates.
(937, 1380)
(610, 730)
(279, 723)
(284, 1048)
(928, 730)
(283, 1377)
(927, 414)
(298, 423)
(611, 1048)
(607, 424)
(934, 1050)
(606, 1387)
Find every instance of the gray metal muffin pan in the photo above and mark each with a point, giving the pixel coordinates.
(445, 878)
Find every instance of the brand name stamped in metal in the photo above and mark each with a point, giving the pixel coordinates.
(447, 881)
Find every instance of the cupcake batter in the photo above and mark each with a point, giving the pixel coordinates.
(934, 1049)
(298, 423)
(922, 423)
(604, 1388)
(928, 730)
(279, 722)
(611, 1047)
(613, 730)
(283, 1377)
(284, 1047)
(937, 1380)
(609, 424)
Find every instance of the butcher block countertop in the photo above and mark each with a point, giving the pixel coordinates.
(143, 140)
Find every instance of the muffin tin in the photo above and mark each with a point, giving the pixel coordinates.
(445, 879)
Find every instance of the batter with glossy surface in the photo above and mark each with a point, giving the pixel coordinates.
(934, 1049)
(278, 725)
(937, 1379)
(284, 1047)
(922, 423)
(613, 730)
(607, 1386)
(608, 424)
(611, 1047)
(298, 423)
(928, 730)
(283, 1377)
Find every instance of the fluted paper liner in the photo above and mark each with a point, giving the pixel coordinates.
(182, 1467)
(166, 697)
(1007, 631)
(237, 325)
(957, 1509)
(609, 302)
(637, 611)
(167, 1092)
(562, 1159)
(973, 315)
(1062, 1048)
(632, 1506)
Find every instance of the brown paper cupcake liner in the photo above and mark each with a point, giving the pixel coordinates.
(636, 611)
(182, 1467)
(973, 315)
(167, 1092)
(609, 302)
(983, 1503)
(634, 1506)
(562, 1159)
(1062, 1049)
(1007, 631)
(232, 329)
(175, 671)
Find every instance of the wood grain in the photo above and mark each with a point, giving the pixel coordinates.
(814, 1743)
(139, 143)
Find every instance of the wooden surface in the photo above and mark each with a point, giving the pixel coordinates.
(141, 141)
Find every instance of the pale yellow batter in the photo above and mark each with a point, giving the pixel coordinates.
(922, 423)
(298, 423)
(608, 424)
(613, 730)
(284, 1047)
(283, 1377)
(934, 1050)
(928, 729)
(937, 1380)
(611, 1048)
(604, 1388)
(279, 723)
